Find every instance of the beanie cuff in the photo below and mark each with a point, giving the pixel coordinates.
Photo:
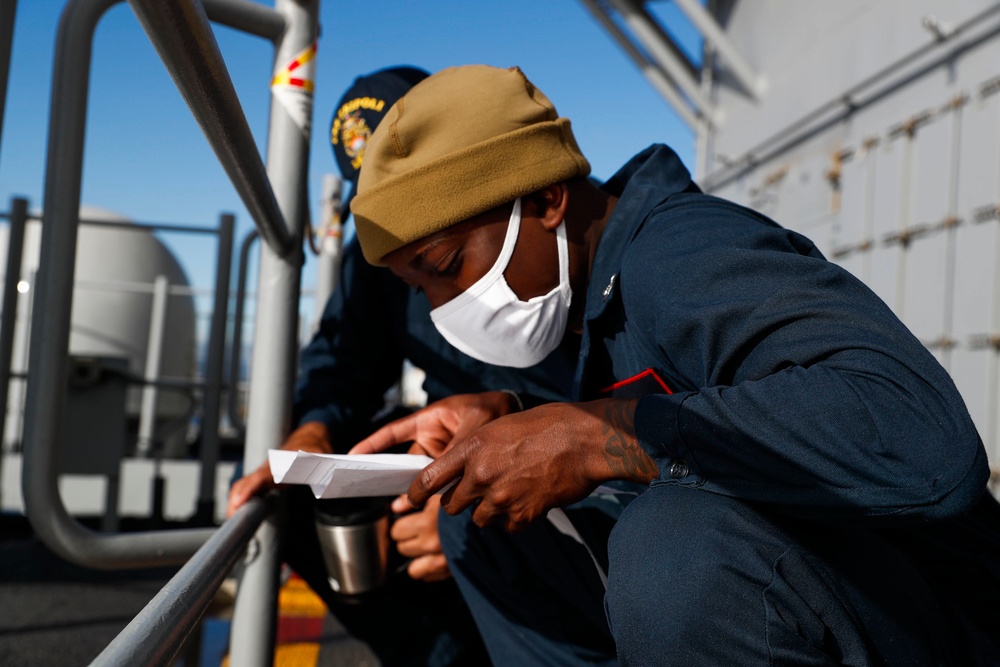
(464, 184)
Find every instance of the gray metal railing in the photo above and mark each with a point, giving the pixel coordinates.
(275, 335)
(156, 634)
(184, 39)
(15, 244)
(276, 198)
(214, 363)
(50, 326)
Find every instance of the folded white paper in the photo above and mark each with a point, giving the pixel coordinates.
(347, 475)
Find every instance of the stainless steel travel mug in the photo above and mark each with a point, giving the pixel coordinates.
(354, 536)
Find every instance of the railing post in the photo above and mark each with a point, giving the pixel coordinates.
(18, 387)
(215, 105)
(214, 363)
(15, 246)
(154, 356)
(183, 37)
(50, 325)
(329, 246)
(236, 349)
(275, 329)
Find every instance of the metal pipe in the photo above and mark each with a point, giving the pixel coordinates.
(656, 78)
(275, 335)
(654, 40)
(255, 622)
(129, 287)
(211, 407)
(249, 17)
(15, 247)
(236, 351)
(148, 226)
(184, 39)
(50, 326)
(156, 634)
(710, 29)
(704, 136)
(8, 10)
(667, 42)
(154, 356)
(330, 243)
(19, 360)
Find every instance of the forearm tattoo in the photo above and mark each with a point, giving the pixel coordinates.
(625, 458)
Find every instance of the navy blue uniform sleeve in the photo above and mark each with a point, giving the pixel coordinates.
(356, 353)
(795, 385)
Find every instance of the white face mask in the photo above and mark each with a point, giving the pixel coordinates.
(489, 322)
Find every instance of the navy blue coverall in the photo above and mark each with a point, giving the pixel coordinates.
(371, 323)
(822, 494)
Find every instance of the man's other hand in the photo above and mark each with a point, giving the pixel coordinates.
(310, 437)
(416, 537)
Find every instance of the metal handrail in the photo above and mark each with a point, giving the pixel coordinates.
(656, 77)
(660, 48)
(156, 634)
(713, 33)
(248, 17)
(50, 326)
(218, 112)
(128, 225)
(184, 39)
(275, 327)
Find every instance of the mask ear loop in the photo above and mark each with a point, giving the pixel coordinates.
(506, 251)
(562, 247)
(493, 275)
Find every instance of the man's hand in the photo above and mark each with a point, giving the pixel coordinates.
(416, 537)
(433, 428)
(523, 465)
(310, 437)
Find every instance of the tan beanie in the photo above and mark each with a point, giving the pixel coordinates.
(459, 143)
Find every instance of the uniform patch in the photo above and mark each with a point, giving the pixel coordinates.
(350, 129)
(354, 135)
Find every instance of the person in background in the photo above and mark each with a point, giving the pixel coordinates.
(811, 488)
(371, 324)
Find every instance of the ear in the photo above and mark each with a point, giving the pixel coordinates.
(548, 205)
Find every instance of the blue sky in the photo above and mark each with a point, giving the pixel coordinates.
(147, 159)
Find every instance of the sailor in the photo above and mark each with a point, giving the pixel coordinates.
(812, 489)
(371, 324)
